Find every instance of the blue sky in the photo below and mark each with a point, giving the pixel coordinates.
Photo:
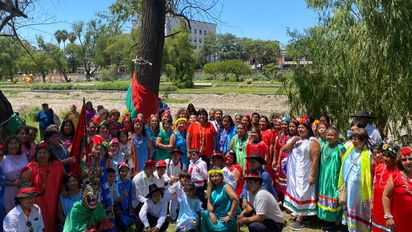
(257, 19)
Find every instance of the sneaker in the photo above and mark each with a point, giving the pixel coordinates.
(296, 226)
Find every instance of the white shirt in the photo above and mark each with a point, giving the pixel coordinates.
(16, 220)
(140, 188)
(373, 134)
(161, 181)
(158, 210)
(264, 203)
(198, 170)
(229, 178)
(172, 169)
(175, 190)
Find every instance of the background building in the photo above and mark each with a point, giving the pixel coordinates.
(198, 29)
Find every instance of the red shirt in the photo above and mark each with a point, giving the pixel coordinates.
(203, 138)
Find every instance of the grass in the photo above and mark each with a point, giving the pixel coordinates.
(178, 101)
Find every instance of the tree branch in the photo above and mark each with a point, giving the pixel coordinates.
(174, 33)
(13, 10)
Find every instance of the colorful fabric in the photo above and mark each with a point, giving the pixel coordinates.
(79, 143)
(300, 197)
(140, 99)
(181, 144)
(239, 147)
(140, 152)
(329, 208)
(48, 180)
(280, 176)
(221, 206)
(81, 218)
(401, 204)
(365, 172)
(356, 211)
(202, 138)
(382, 174)
(225, 138)
(239, 184)
(188, 217)
(67, 202)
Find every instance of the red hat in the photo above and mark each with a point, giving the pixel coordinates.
(252, 176)
(97, 140)
(42, 144)
(150, 163)
(161, 164)
(138, 119)
(405, 151)
(27, 192)
(122, 165)
(218, 154)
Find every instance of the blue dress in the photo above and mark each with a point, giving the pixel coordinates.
(126, 219)
(67, 202)
(2, 187)
(188, 217)
(140, 151)
(356, 214)
(181, 144)
(225, 137)
(221, 203)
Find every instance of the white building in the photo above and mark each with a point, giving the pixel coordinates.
(198, 29)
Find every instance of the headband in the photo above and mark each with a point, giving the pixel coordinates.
(215, 171)
(179, 120)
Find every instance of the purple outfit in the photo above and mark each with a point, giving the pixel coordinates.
(12, 166)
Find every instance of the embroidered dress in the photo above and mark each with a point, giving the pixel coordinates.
(281, 180)
(239, 147)
(221, 206)
(152, 135)
(382, 174)
(356, 212)
(225, 138)
(329, 208)
(401, 204)
(300, 197)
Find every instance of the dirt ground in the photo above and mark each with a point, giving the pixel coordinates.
(229, 103)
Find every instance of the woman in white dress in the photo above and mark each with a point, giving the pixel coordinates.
(302, 171)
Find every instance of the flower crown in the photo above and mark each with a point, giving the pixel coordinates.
(215, 171)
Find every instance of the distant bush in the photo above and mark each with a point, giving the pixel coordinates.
(234, 67)
(108, 74)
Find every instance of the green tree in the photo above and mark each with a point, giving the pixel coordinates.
(9, 55)
(361, 53)
(209, 49)
(235, 67)
(181, 65)
(229, 47)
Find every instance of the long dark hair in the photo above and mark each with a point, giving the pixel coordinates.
(26, 130)
(48, 149)
(8, 140)
(62, 134)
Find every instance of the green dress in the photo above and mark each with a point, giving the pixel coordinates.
(221, 207)
(329, 208)
(162, 154)
(239, 147)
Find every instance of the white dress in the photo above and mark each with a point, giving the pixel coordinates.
(300, 197)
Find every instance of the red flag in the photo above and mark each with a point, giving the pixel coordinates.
(144, 100)
(79, 142)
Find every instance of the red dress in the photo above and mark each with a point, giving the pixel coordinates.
(382, 174)
(259, 148)
(401, 205)
(280, 179)
(48, 180)
(239, 184)
(202, 138)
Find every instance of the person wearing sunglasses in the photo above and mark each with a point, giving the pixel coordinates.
(397, 196)
(26, 216)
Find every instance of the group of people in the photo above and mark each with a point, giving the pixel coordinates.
(204, 170)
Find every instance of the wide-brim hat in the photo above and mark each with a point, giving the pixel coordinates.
(218, 154)
(256, 156)
(362, 113)
(27, 192)
(252, 176)
(176, 150)
(153, 188)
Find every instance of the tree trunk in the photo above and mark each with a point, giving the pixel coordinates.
(151, 43)
(43, 76)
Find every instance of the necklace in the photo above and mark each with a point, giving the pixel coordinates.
(241, 142)
(44, 174)
(202, 131)
(324, 159)
(406, 183)
(381, 183)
